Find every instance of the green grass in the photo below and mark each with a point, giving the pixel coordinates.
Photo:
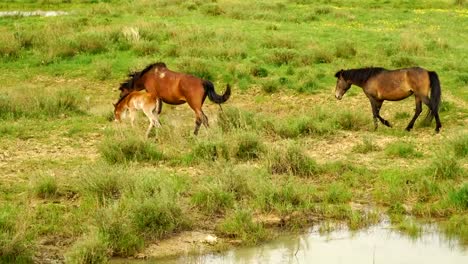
(402, 150)
(292, 160)
(241, 226)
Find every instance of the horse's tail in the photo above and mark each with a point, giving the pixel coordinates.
(435, 98)
(214, 97)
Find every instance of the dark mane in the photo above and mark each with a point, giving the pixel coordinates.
(359, 76)
(134, 76)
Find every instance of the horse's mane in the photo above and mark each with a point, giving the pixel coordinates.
(134, 76)
(360, 76)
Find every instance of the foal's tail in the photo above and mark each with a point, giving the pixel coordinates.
(435, 95)
(214, 97)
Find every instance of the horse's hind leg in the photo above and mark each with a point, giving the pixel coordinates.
(434, 112)
(205, 120)
(417, 112)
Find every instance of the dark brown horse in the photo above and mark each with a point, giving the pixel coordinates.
(175, 88)
(380, 84)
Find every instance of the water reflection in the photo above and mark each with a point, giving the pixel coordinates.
(378, 244)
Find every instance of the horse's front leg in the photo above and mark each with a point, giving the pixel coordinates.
(374, 113)
(417, 112)
(378, 105)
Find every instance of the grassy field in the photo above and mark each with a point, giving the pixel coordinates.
(282, 156)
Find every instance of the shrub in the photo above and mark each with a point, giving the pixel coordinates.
(241, 226)
(117, 231)
(90, 249)
(45, 187)
(157, 217)
(213, 199)
(460, 145)
(116, 150)
(402, 150)
(337, 193)
(366, 146)
(15, 242)
(210, 150)
(293, 161)
(249, 147)
(445, 166)
(459, 198)
(233, 118)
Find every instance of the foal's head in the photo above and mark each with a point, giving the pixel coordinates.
(341, 85)
(119, 108)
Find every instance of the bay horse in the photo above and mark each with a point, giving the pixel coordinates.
(380, 84)
(134, 101)
(175, 88)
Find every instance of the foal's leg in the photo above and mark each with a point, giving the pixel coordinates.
(417, 112)
(132, 113)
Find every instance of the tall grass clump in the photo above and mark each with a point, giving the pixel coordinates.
(15, 240)
(445, 166)
(352, 121)
(103, 183)
(38, 104)
(240, 225)
(210, 150)
(303, 126)
(90, 249)
(129, 148)
(460, 145)
(212, 198)
(459, 198)
(117, 231)
(157, 217)
(338, 193)
(9, 45)
(45, 187)
(232, 118)
(367, 145)
(292, 160)
(402, 150)
(249, 147)
(345, 50)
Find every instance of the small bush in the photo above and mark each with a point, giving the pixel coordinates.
(293, 161)
(282, 56)
(124, 150)
(213, 199)
(249, 147)
(460, 145)
(233, 118)
(345, 50)
(90, 249)
(366, 146)
(459, 198)
(347, 120)
(404, 61)
(210, 150)
(241, 226)
(445, 166)
(118, 232)
(337, 193)
(46, 187)
(402, 150)
(259, 72)
(270, 86)
(15, 242)
(157, 217)
(103, 183)
(322, 56)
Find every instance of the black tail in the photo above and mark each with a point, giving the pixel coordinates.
(214, 97)
(435, 95)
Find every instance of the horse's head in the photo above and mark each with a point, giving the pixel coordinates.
(342, 86)
(117, 112)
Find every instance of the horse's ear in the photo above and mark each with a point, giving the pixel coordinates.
(114, 104)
